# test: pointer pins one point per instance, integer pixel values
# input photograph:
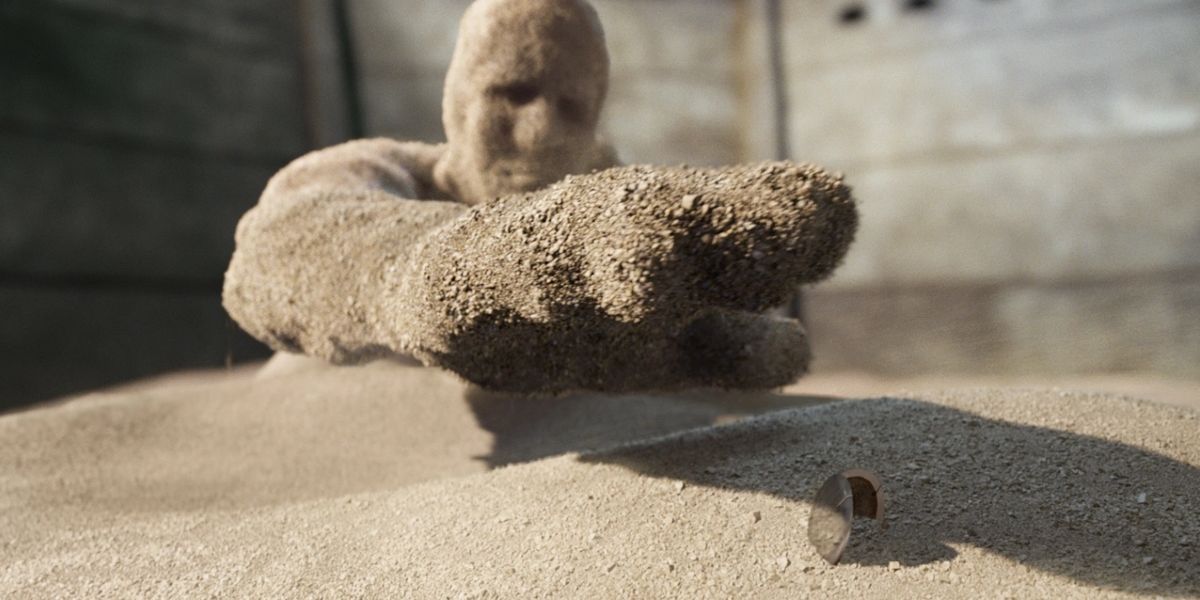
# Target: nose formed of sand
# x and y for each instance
(842, 497)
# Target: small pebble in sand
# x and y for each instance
(1141, 498)
(679, 485)
(894, 565)
(755, 516)
(688, 201)
(782, 562)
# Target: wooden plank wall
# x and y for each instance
(134, 133)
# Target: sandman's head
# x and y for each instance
(522, 96)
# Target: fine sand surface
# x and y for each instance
(306, 480)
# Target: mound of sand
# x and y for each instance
(374, 481)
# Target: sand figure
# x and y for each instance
(459, 254)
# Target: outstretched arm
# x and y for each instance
(625, 279)
(331, 233)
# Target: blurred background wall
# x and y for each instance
(133, 134)
(1028, 170)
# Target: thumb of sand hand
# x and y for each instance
(592, 282)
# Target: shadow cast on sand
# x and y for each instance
(1097, 511)
(527, 428)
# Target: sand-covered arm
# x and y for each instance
(332, 231)
(626, 279)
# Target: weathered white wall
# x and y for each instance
(1000, 140)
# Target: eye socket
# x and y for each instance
(571, 109)
(516, 93)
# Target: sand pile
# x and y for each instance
(371, 481)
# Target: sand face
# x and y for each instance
(522, 98)
(373, 481)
